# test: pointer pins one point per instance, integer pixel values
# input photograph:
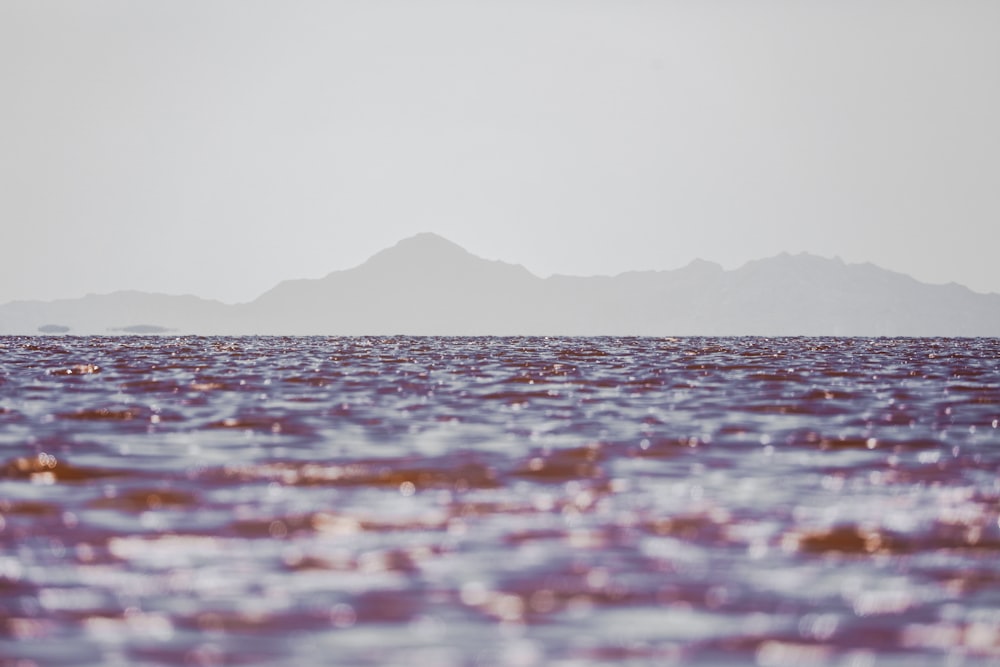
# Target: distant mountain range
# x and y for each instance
(428, 285)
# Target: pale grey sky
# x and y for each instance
(218, 147)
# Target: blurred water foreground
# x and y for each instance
(499, 501)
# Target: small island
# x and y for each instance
(53, 329)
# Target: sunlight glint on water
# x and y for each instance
(499, 501)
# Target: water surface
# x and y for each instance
(499, 501)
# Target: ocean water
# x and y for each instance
(499, 501)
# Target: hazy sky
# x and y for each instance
(218, 147)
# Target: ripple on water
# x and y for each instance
(509, 501)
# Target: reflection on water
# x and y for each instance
(499, 501)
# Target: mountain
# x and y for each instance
(118, 312)
(423, 285)
(427, 285)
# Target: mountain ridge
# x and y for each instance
(428, 285)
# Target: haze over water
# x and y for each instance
(499, 501)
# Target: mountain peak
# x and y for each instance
(428, 254)
(425, 246)
(428, 242)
